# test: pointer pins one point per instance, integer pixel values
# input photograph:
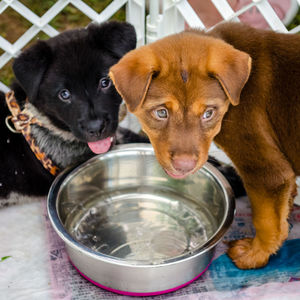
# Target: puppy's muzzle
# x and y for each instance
(93, 128)
(184, 163)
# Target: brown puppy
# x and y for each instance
(238, 86)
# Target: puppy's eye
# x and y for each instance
(105, 83)
(161, 113)
(64, 95)
(208, 114)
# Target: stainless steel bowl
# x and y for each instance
(131, 228)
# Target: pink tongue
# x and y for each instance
(101, 146)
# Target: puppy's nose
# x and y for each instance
(184, 163)
(94, 128)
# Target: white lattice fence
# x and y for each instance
(165, 17)
(174, 14)
(135, 14)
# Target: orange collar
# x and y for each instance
(22, 121)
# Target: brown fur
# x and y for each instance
(249, 79)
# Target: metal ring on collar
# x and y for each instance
(9, 126)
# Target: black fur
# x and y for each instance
(20, 170)
(230, 174)
(75, 60)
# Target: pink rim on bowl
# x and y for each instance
(141, 294)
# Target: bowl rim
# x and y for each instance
(71, 242)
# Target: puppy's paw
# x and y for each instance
(247, 254)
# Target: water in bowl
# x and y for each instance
(142, 224)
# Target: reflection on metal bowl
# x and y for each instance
(132, 229)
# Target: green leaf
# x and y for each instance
(4, 258)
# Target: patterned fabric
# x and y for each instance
(22, 121)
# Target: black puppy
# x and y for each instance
(64, 80)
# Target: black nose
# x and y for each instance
(93, 128)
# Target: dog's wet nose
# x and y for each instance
(94, 128)
(184, 163)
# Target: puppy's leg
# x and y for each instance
(270, 200)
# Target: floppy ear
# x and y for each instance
(231, 68)
(133, 74)
(115, 37)
(30, 66)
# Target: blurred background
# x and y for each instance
(13, 25)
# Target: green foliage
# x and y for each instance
(4, 258)
(295, 22)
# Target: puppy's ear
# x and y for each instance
(133, 74)
(231, 68)
(115, 37)
(30, 66)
